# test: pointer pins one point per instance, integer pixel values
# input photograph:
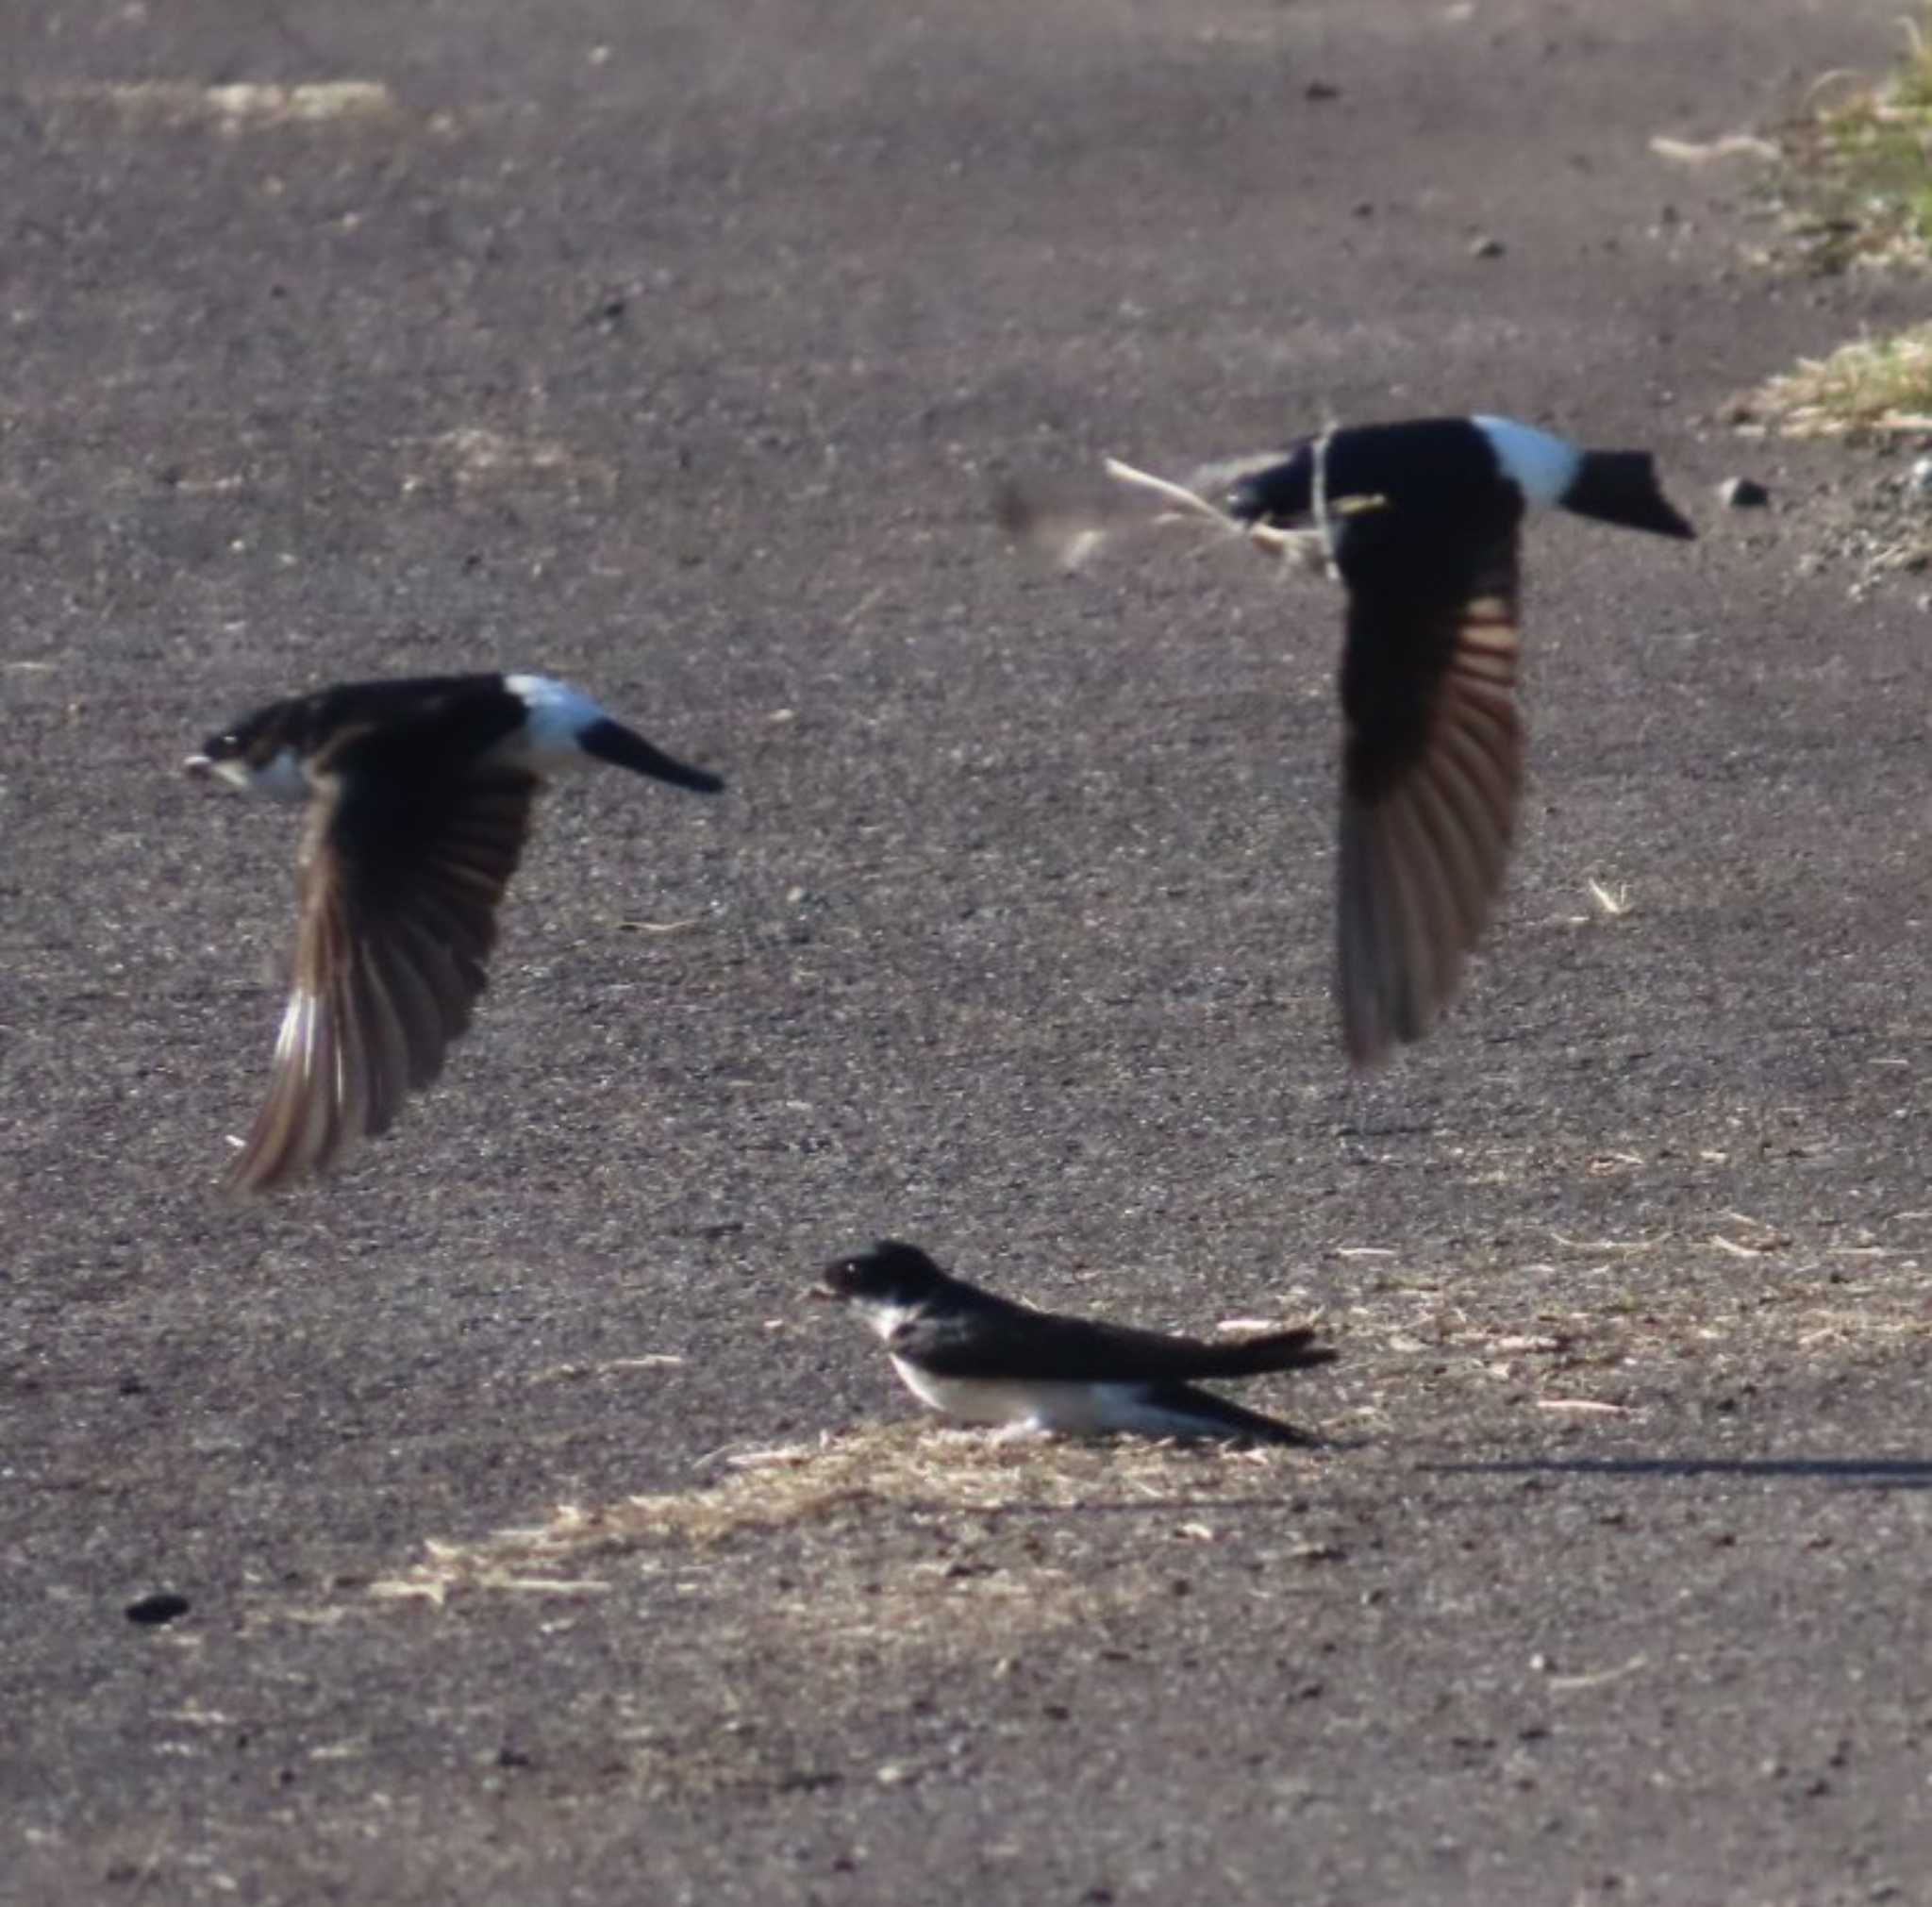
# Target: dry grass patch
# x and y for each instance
(1869, 387)
(475, 458)
(911, 1535)
(947, 1477)
(238, 107)
(1859, 191)
(818, 1563)
(1595, 1323)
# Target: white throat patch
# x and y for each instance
(280, 778)
(884, 1316)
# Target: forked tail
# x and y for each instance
(1620, 486)
(1219, 1418)
(1274, 1350)
(612, 742)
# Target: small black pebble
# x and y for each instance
(1320, 89)
(152, 1611)
(1744, 492)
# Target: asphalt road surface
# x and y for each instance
(675, 349)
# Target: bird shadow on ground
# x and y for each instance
(1870, 1473)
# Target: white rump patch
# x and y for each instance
(559, 715)
(1542, 466)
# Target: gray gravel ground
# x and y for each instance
(675, 348)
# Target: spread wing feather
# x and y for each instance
(404, 863)
(1432, 766)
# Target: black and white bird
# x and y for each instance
(419, 794)
(1421, 521)
(985, 1360)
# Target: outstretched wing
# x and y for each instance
(1432, 763)
(404, 861)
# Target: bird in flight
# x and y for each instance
(985, 1360)
(1421, 521)
(419, 794)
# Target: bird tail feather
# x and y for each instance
(1276, 1351)
(1210, 1417)
(1620, 486)
(612, 742)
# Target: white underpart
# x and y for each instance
(1076, 1409)
(559, 715)
(1542, 466)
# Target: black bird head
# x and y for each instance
(892, 1275)
(244, 754)
(1281, 491)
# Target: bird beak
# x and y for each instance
(821, 1294)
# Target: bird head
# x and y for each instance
(256, 754)
(1280, 493)
(891, 1278)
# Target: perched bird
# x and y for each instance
(1420, 520)
(418, 796)
(990, 1361)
